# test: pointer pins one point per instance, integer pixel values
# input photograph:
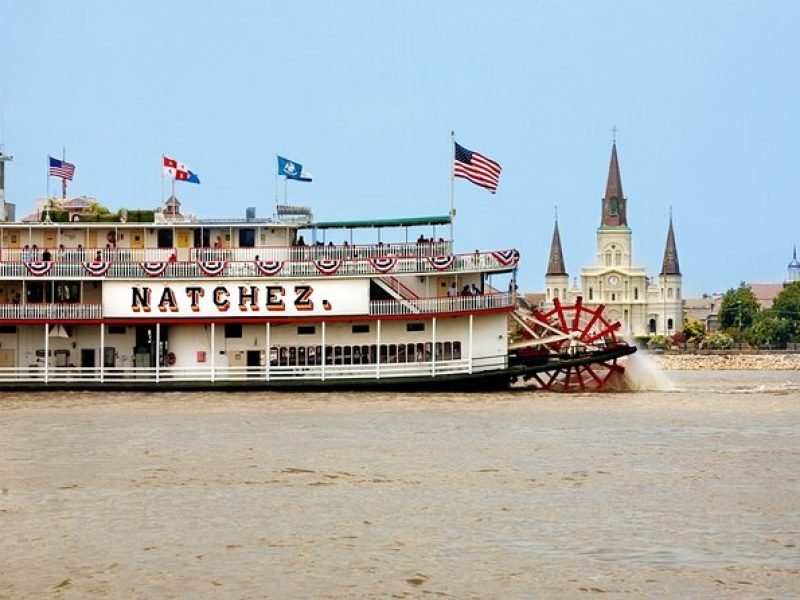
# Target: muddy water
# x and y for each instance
(693, 492)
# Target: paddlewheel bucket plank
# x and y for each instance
(570, 348)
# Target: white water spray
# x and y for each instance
(643, 373)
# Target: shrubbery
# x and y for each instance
(717, 340)
(659, 342)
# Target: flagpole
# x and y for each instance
(452, 183)
(63, 179)
(162, 179)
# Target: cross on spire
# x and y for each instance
(614, 134)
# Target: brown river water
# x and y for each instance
(692, 492)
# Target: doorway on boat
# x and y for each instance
(144, 352)
(254, 358)
(87, 358)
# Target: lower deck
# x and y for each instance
(253, 353)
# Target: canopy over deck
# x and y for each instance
(378, 223)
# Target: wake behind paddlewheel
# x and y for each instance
(581, 345)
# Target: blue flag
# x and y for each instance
(292, 170)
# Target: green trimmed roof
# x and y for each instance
(400, 222)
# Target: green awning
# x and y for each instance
(372, 223)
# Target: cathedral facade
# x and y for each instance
(644, 305)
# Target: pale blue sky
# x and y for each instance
(364, 94)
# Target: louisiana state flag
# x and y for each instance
(292, 170)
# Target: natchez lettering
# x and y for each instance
(250, 298)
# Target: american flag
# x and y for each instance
(61, 168)
(477, 168)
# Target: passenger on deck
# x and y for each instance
(301, 241)
(465, 291)
(46, 256)
(452, 292)
(475, 291)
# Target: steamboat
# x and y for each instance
(166, 300)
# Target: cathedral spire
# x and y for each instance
(555, 266)
(614, 213)
(670, 266)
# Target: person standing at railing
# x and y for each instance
(46, 256)
(475, 291)
(452, 291)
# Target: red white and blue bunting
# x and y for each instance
(39, 267)
(328, 266)
(269, 267)
(383, 264)
(211, 267)
(506, 257)
(441, 263)
(96, 268)
(154, 269)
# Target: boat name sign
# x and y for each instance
(231, 299)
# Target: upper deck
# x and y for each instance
(180, 248)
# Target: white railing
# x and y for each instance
(361, 267)
(312, 373)
(285, 253)
(78, 255)
(318, 252)
(441, 305)
(51, 311)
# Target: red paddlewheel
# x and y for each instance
(585, 330)
(587, 325)
(579, 378)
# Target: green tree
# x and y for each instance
(738, 308)
(769, 328)
(787, 306)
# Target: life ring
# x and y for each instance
(169, 359)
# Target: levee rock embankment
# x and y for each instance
(728, 361)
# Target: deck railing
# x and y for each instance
(54, 312)
(305, 269)
(38, 373)
(440, 305)
(284, 253)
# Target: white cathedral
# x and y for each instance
(643, 306)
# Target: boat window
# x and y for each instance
(415, 326)
(233, 330)
(360, 328)
(165, 238)
(456, 350)
(114, 329)
(247, 238)
(307, 330)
